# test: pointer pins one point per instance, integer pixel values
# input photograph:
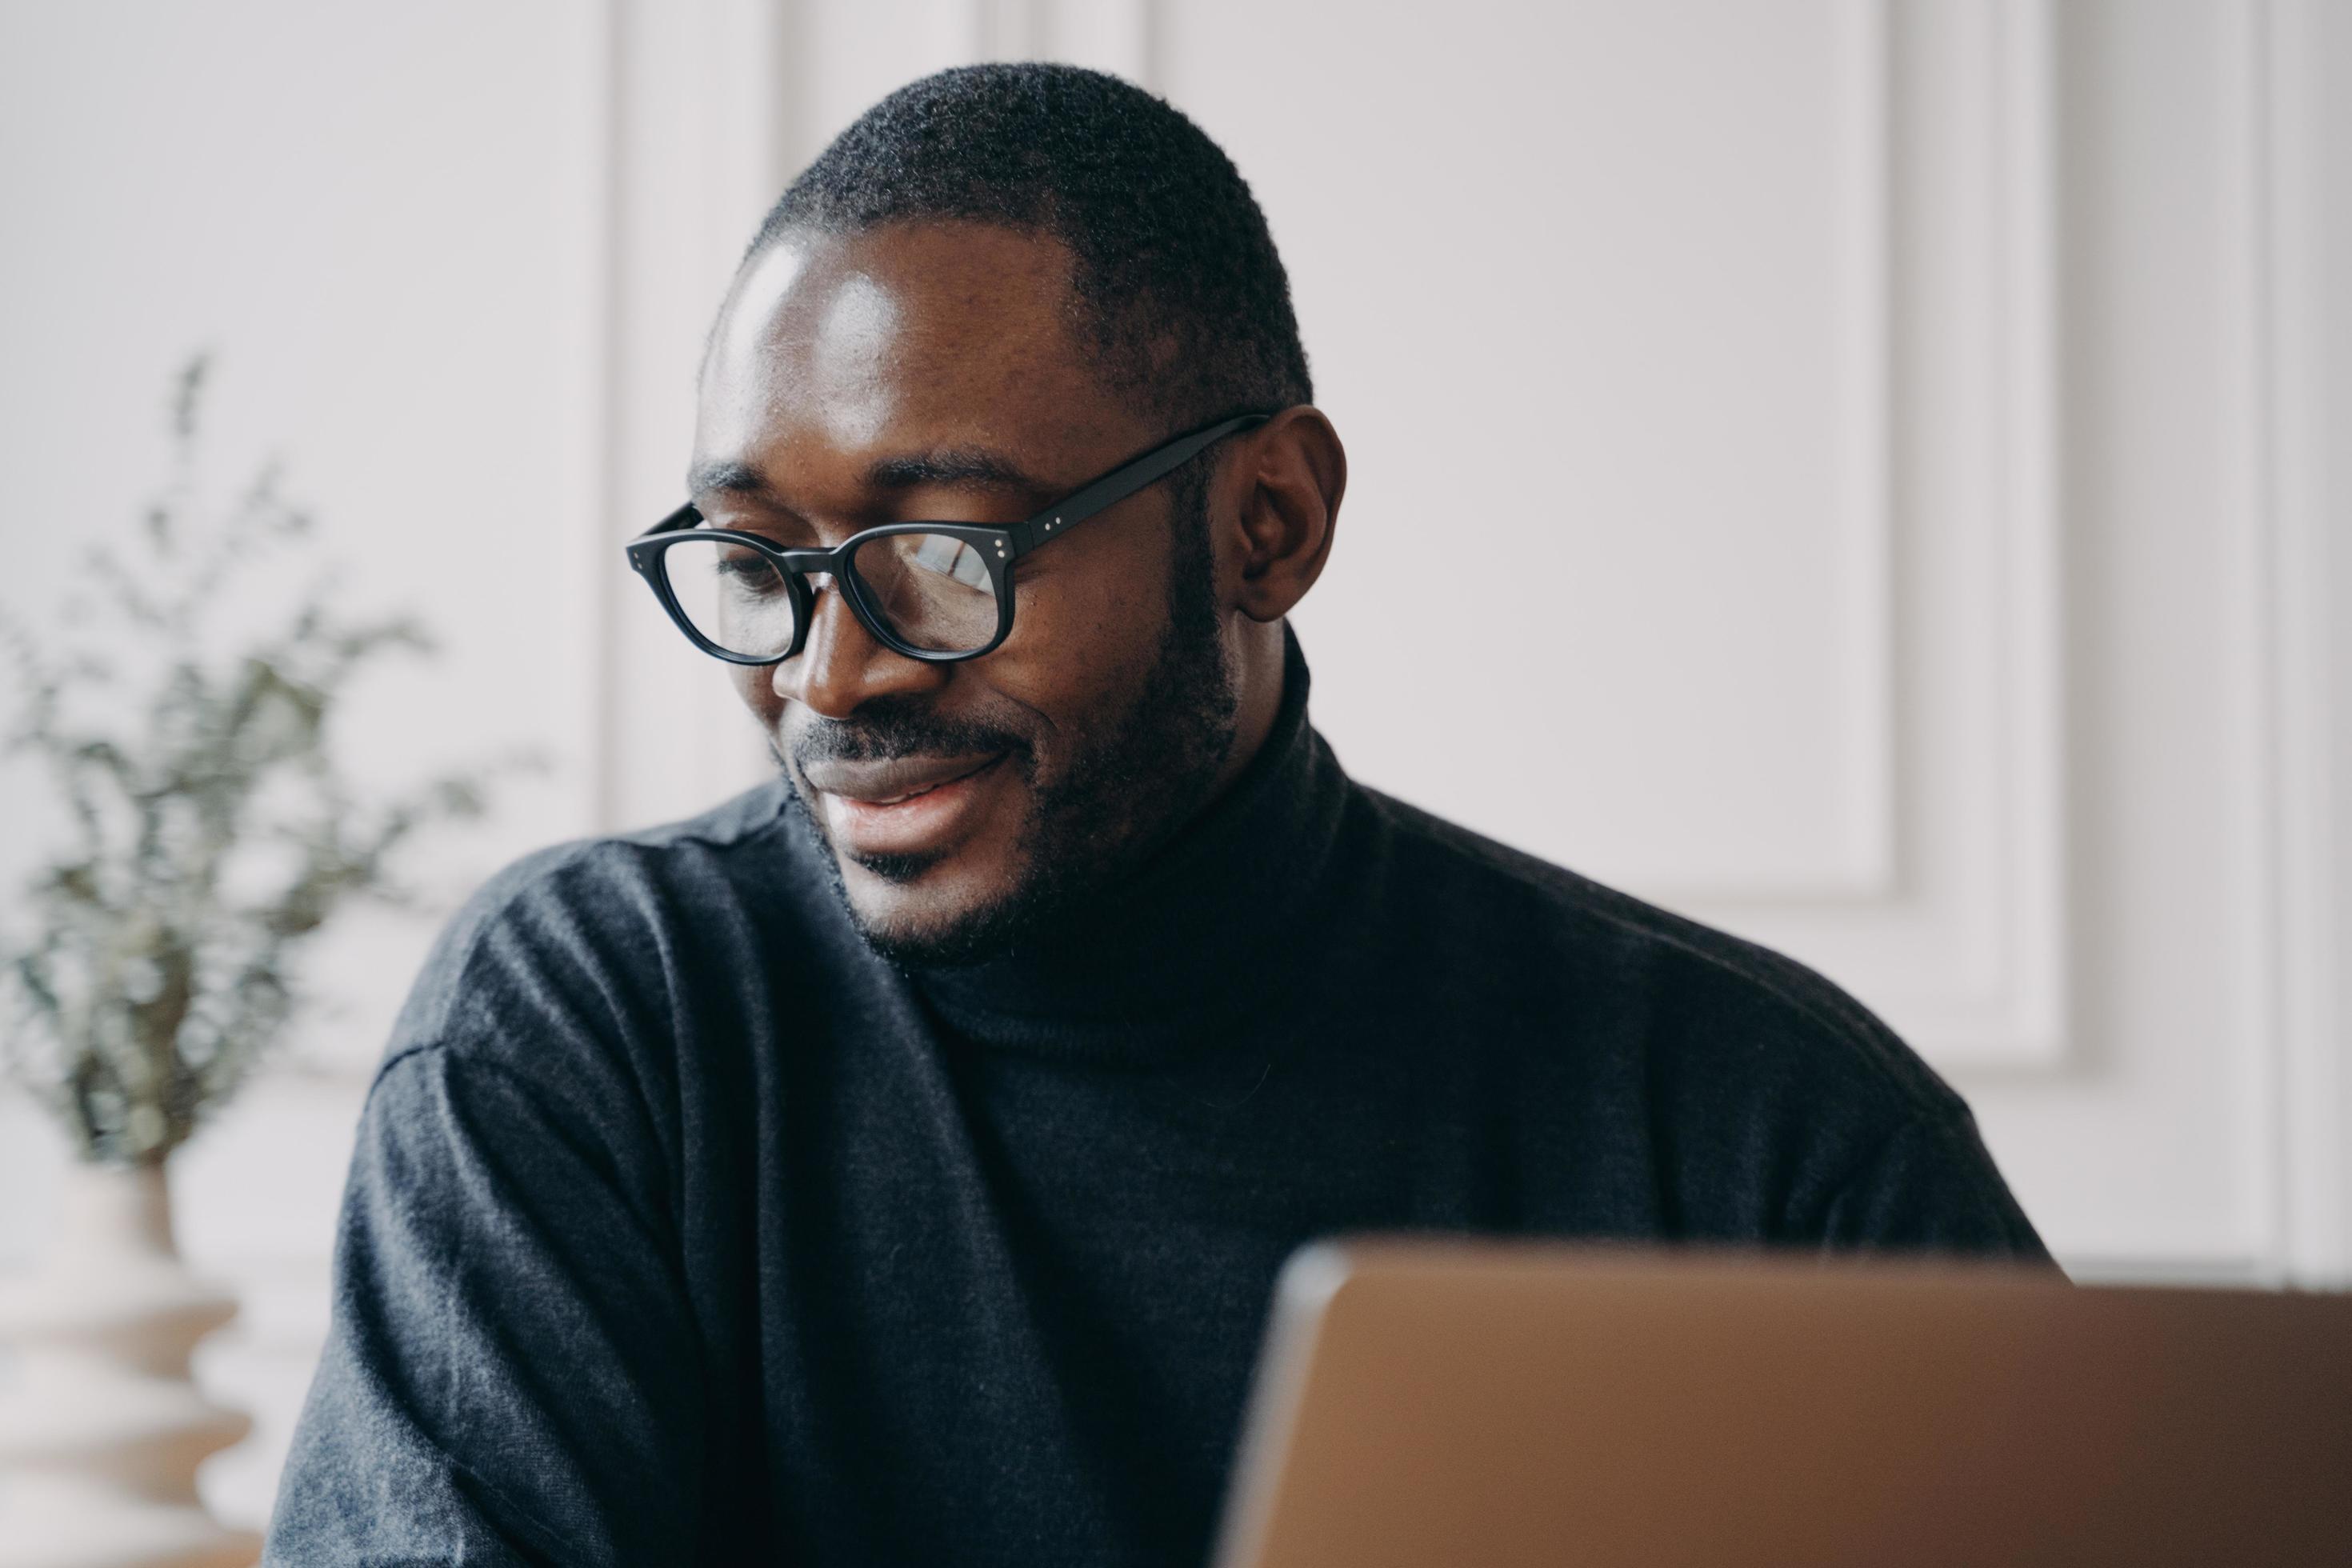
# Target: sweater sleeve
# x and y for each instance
(1930, 1185)
(509, 1376)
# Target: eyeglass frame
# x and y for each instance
(999, 546)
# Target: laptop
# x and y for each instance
(1509, 1404)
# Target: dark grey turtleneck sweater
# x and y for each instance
(682, 1229)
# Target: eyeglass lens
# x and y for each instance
(932, 590)
(734, 595)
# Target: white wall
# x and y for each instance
(1928, 419)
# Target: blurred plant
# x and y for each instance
(211, 834)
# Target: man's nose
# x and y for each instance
(842, 664)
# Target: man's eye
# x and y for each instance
(749, 571)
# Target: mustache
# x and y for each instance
(889, 730)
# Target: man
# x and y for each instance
(892, 1166)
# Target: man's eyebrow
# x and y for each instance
(953, 467)
(720, 476)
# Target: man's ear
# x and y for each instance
(1286, 479)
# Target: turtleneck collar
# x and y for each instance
(1161, 960)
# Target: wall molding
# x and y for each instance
(2033, 1021)
(2315, 1079)
(1963, 941)
(1873, 767)
(701, 129)
(2295, 1119)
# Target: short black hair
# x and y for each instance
(1178, 285)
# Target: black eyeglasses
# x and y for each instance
(935, 591)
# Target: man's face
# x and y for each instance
(933, 371)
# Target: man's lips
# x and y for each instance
(908, 806)
(891, 780)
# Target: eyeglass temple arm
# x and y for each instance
(1122, 482)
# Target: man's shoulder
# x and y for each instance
(606, 920)
(606, 875)
(1778, 1106)
(1703, 990)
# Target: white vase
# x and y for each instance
(101, 1428)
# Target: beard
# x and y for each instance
(1144, 774)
